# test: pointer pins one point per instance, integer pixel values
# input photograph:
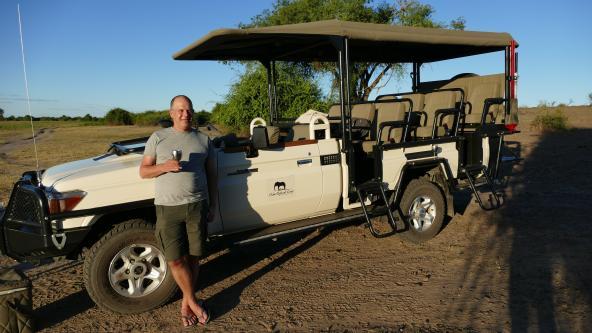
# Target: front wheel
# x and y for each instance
(126, 272)
(423, 208)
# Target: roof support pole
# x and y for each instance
(507, 83)
(344, 93)
(341, 44)
(416, 76)
(275, 99)
(350, 156)
(270, 67)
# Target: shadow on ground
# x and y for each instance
(542, 238)
(231, 262)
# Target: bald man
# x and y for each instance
(185, 200)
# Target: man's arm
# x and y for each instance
(149, 168)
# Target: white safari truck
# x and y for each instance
(393, 162)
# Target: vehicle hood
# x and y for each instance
(77, 170)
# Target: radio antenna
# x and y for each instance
(18, 8)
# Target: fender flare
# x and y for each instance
(429, 164)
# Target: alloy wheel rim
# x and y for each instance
(422, 213)
(137, 270)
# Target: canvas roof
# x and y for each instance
(367, 41)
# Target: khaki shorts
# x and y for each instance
(180, 230)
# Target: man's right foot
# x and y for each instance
(188, 317)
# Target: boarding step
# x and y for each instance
(376, 188)
(298, 226)
(478, 176)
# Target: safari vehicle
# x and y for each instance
(393, 162)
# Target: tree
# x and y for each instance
(119, 116)
(248, 97)
(202, 117)
(365, 76)
(590, 98)
(1, 114)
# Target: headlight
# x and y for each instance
(63, 202)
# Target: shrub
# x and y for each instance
(202, 117)
(150, 118)
(119, 116)
(554, 120)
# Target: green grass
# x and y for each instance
(554, 120)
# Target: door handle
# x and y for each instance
(306, 161)
(242, 171)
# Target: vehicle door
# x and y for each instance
(281, 183)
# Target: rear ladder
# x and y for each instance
(376, 187)
(474, 171)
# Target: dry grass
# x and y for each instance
(65, 143)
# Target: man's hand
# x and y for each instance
(170, 166)
(149, 168)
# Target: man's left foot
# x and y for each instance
(205, 315)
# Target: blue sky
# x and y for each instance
(90, 56)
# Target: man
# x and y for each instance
(181, 200)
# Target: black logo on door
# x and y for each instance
(279, 186)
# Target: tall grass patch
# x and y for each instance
(551, 120)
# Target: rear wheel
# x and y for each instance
(423, 209)
(126, 272)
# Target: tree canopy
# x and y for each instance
(365, 77)
(248, 97)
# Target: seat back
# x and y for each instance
(334, 112)
(299, 132)
(260, 137)
(273, 134)
(477, 89)
(364, 119)
(434, 101)
(390, 111)
(416, 98)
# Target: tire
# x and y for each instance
(428, 220)
(145, 274)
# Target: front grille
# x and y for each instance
(25, 206)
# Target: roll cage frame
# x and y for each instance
(341, 45)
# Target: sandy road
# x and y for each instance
(11, 145)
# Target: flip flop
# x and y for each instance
(207, 312)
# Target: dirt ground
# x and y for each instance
(526, 267)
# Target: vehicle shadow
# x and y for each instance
(242, 258)
(232, 262)
(54, 313)
(540, 243)
(69, 306)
